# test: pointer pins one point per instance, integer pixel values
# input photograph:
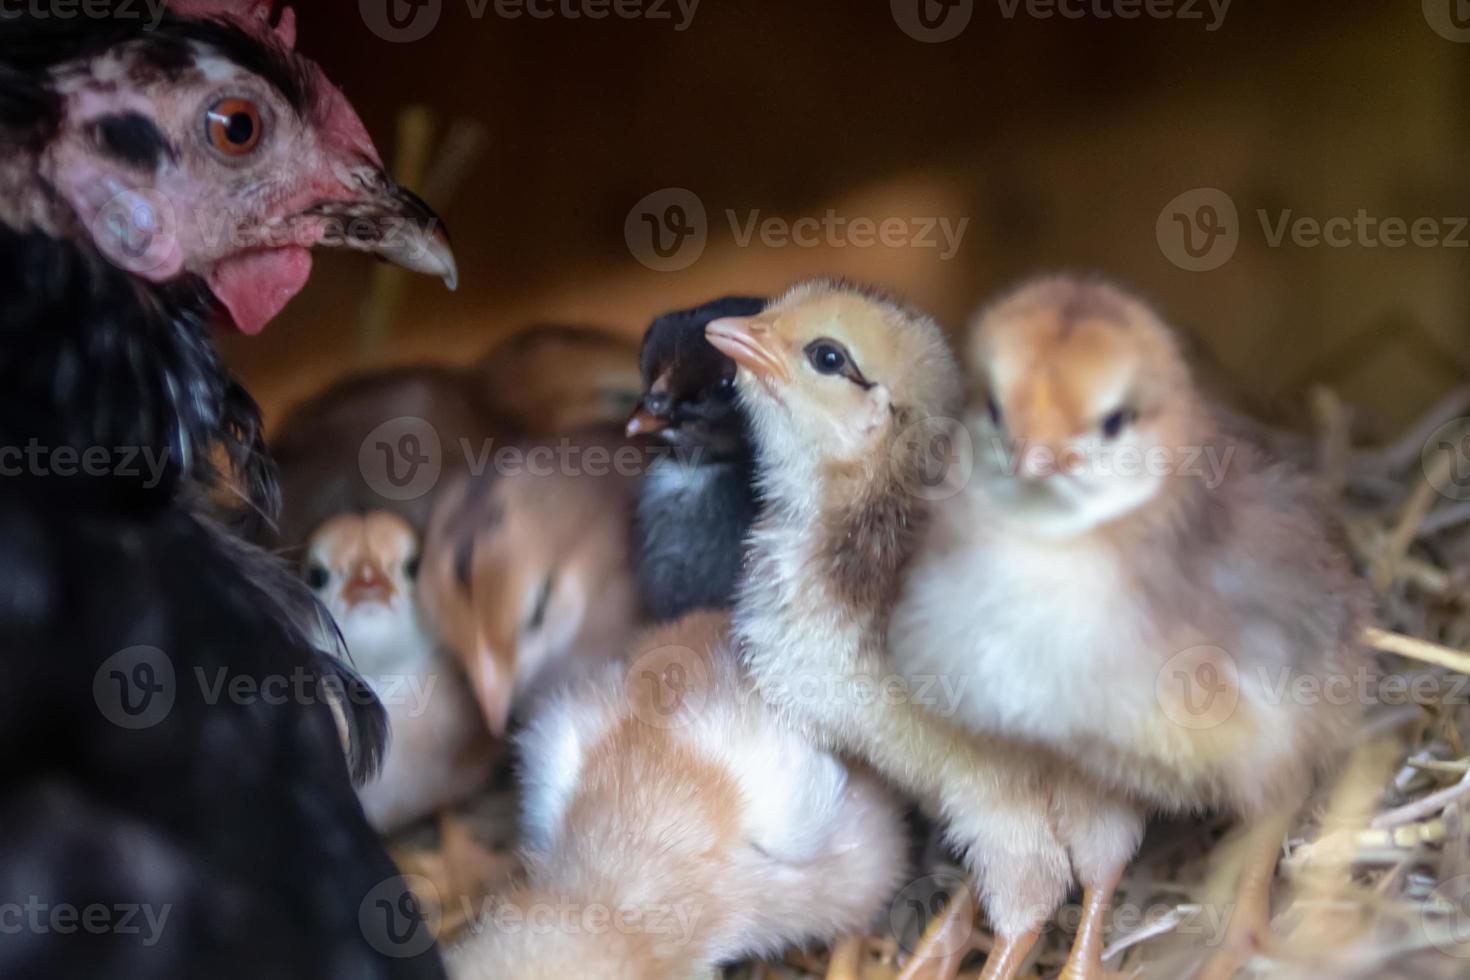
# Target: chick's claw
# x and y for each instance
(946, 941)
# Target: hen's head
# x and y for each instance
(207, 146)
(833, 373)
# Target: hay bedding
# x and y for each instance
(1375, 877)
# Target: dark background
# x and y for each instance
(1061, 141)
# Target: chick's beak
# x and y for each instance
(652, 414)
(394, 224)
(367, 582)
(749, 343)
(645, 423)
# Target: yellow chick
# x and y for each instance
(527, 574)
(846, 391)
(364, 569)
(1129, 583)
(673, 824)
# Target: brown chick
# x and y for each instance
(552, 379)
(364, 568)
(352, 446)
(844, 390)
(672, 824)
(526, 574)
(1133, 585)
(329, 464)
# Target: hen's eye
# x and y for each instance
(1116, 421)
(993, 407)
(234, 126)
(826, 357)
(317, 576)
(411, 568)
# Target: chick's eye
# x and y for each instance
(234, 126)
(317, 576)
(1118, 420)
(826, 357)
(411, 568)
(993, 407)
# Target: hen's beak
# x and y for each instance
(749, 343)
(394, 224)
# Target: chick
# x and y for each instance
(697, 502)
(363, 567)
(844, 391)
(527, 576)
(354, 445)
(322, 444)
(551, 379)
(1131, 583)
(672, 824)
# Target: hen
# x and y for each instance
(172, 740)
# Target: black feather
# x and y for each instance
(133, 139)
(697, 503)
(32, 46)
(170, 728)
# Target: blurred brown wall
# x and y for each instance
(1060, 142)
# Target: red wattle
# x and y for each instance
(255, 286)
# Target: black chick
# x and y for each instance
(697, 502)
(175, 798)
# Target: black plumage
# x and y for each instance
(172, 745)
(698, 502)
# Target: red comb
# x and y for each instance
(253, 14)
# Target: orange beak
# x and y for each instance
(747, 340)
(645, 423)
(491, 687)
(367, 582)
